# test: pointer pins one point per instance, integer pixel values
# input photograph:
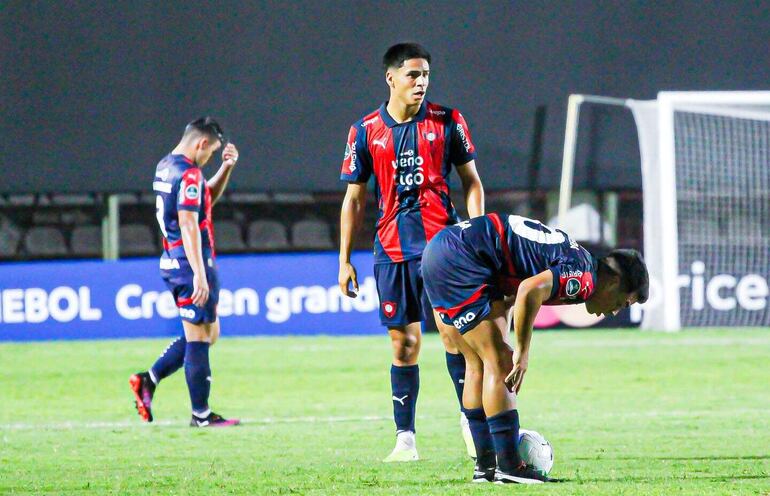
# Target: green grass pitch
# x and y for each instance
(627, 413)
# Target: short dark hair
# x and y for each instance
(398, 53)
(208, 127)
(632, 271)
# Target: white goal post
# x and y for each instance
(706, 188)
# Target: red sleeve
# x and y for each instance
(191, 189)
(571, 285)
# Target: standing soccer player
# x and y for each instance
(473, 271)
(409, 145)
(188, 265)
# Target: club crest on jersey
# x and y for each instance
(389, 309)
(573, 287)
(429, 136)
(191, 192)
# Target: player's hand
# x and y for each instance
(516, 377)
(200, 290)
(229, 155)
(346, 276)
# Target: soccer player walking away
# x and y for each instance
(188, 265)
(474, 272)
(409, 145)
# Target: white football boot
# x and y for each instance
(405, 449)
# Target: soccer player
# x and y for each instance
(188, 265)
(409, 145)
(473, 271)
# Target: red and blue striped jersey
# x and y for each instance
(410, 163)
(180, 185)
(518, 248)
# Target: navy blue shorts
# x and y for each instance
(402, 294)
(178, 276)
(461, 286)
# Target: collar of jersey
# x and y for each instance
(183, 157)
(390, 122)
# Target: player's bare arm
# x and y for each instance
(474, 190)
(218, 183)
(351, 217)
(530, 296)
(191, 239)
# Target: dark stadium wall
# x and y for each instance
(94, 94)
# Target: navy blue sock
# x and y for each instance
(482, 439)
(455, 364)
(198, 375)
(405, 385)
(504, 428)
(169, 361)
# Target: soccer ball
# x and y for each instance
(536, 451)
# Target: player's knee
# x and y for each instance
(500, 363)
(448, 343)
(406, 348)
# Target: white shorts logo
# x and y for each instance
(464, 320)
(187, 313)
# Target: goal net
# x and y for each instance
(706, 184)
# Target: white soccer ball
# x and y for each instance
(536, 451)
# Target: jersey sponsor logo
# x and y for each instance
(169, 263)
(463, 137)
(370, 121)
(409, 170)
(429, 136)
(389, 309)
(436, 112)
(350, 154)
(187, 313)
(464, 224)
(381, 142)
(464, 320)
(191, 192)
(572, 288)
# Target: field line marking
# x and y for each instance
(180, 422)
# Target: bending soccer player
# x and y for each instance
(188, 265)
(471, 269)
(409, 146)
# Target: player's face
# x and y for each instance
(205, 148)
(409, 83)
(609, 300)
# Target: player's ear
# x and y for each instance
(389, 78)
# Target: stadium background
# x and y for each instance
(91, 91)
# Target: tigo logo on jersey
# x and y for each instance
(573, 287)
(191, 192)
(389, 309)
